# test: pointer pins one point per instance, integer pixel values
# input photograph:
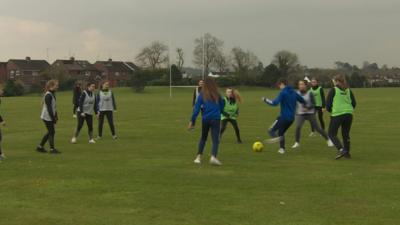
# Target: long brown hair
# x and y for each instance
(210, 90)
(341, 81)
(50, 84)
(236, 94)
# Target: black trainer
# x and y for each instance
(41, 149)
(342, 154)
(54, 151)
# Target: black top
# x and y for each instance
(77, 94)
(331, 95)
(48, 101)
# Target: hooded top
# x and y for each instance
(288, 99)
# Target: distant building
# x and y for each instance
(77, 69)
(3, 72)
(26, 70)
(118, 73)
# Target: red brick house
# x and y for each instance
(26, 70)
(3, 72)
(78, 69)
(118, 73)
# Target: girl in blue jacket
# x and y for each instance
(287, 99)
(212, 105)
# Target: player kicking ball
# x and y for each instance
(287, 99)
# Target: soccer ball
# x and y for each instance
(258, 146)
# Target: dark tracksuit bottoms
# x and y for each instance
(49, 136)
(300, 119)
(89, 121)
(214, 126)
(279, 128)
(110, 119)
(342, 121)
(235, 126)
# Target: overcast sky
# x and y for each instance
(319, 31)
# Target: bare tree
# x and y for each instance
(180, 58)
(286, 62)
(221, 62)
(153, 56)
(243, 61)
(207, 48)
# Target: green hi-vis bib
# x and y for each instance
(317, 96)
(342, 102)
(230, 109)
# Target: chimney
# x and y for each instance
(28, 58)
(72, 59)
(110, 59)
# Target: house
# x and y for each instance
(77, 69)
(3, 72)
(118, 73)
(26, 70)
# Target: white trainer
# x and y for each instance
(74, 116)
(312, 134)
(198, 160)
(215, 162)
(115, 137)
(273, 140)
(73, 140)
(330, 143)
(92, 141)
(296, 145)
(281, 151)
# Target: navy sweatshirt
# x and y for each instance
(211, 110)
(288, 99)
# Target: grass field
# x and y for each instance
(148, 177)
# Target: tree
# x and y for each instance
(176, 74)
(13, 88)
(286, 62)
(270, 76)
(139, 80)
(153, 56)
(344, 66)
(207, 49)
(356, 80)
(243, 62)
(180, 58)
(221, 62)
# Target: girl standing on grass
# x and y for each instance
(49, 116)
(85, 112)
(231, 112)
(341, 104)
(2, 124)
(105, 106)
(307, 112)
(319, 98)
(213, 105)
(77, 92)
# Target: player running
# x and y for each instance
(213, 105)
(307, 113)
(231, 112)
(287, 99)
(341, 104)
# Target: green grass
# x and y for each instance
(147, 176)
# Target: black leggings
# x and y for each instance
(320, 113)
(235, 127)
(49, 136)
(344, 121)
(89, 122)
(110, 119)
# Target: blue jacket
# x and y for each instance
(211, 110)
(288, 99)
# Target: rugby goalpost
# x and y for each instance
(171, 86)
